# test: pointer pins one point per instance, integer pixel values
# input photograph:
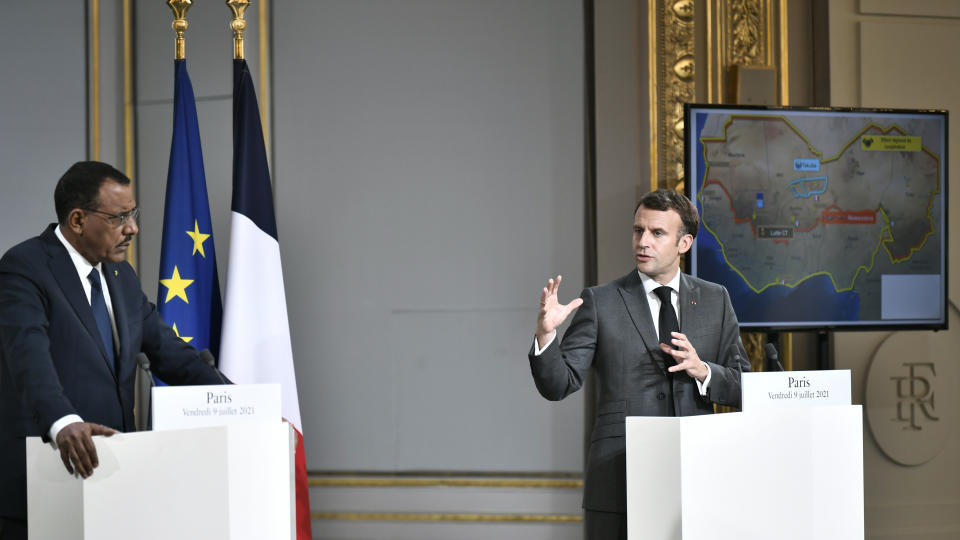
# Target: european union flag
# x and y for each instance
(189, 298)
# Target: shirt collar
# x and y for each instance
(649, 284)
(82, 265)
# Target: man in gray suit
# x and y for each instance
(638, 373)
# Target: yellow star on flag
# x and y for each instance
(176, 286)
(198, 239)
(184, 338)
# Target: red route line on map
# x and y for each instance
(819, 220)
(837, 211)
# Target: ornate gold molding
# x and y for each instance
(439, 517)
(745, 37)
(444, 482)
(447, 479)
(784, 70)
(753, 342)
(128, 163)
(745, 33)
(95, 80)
(738, 32)
(672, 84)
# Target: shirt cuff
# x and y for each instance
(536, 346)
(60, 424)
(702, 386)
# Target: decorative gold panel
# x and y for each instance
(746, 45)
(671, 24)
(744, 33)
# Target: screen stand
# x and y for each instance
(824, 358)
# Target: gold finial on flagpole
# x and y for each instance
(238, 25)
(180, 8)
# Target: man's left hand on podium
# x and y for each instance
(77, 450)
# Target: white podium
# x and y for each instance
(790, 473)
(225, 482)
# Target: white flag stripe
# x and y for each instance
(255, 345)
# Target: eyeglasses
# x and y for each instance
(118, 220)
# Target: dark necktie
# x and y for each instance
(668, 317)
(668, 323)
(101, 315)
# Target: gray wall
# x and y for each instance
(428, 165)
(43, 105)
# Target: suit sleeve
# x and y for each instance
(25, 340)
(730, 362)
(562, 367)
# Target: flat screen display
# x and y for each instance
(821, 219)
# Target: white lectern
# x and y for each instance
(791, 473)
(225, 482)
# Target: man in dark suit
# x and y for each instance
(628, 331)
(72, 319)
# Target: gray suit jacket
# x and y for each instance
(613, 332)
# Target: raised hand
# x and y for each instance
(552, 312)
(77, 450)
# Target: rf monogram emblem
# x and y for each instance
(915, 395)
(910, 413)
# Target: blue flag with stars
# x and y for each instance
(188, 298)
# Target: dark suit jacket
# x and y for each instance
(53, 363)
(614, 333)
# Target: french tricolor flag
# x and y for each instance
(255, 342)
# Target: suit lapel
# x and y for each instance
(69, 281)
(635, 299)
(689, 303)
(119, 316)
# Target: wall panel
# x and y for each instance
(429, 179)
(897, 60)
(43, 103)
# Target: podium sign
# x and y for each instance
(779, 389)
(798, 469)
(215, 483)
(179, 407)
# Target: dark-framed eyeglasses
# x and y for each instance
(118, 220)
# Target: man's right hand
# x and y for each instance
(552, 312)
(77, 450)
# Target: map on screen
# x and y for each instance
(821, 218)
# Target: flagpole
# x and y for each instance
(238, 25)
(256, 330)
(180, 8)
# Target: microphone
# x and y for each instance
(734, 350)
(207, 357)
(141, 394)
(143, 362)
(773, 359)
